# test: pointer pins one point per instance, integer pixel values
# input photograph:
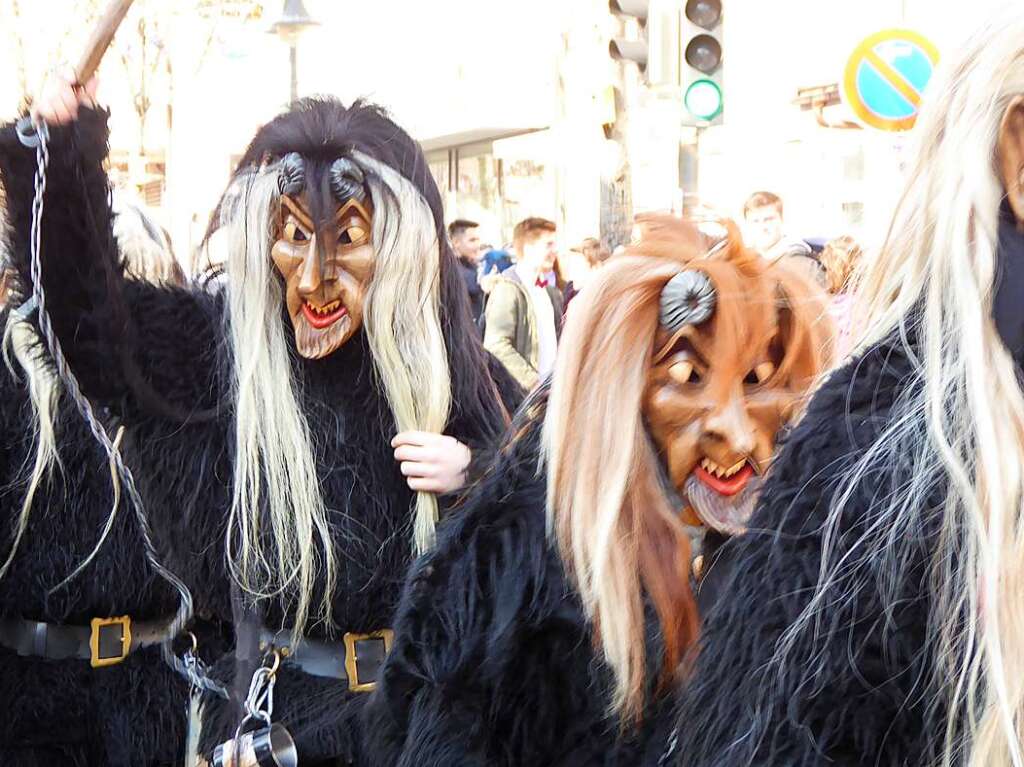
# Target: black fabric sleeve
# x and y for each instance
(131, 345)
(848, 689)
(492, 662)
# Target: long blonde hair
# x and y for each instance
(959, 424)
(607, 509)
(275, 476)
(145, 258)
(403, 318)
(21, 345)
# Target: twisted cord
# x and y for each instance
(193, 672)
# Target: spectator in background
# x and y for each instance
(465, 237)
(523, 311)
(839, 259)
(764, 232)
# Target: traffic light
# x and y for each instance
(656, 51)
(701, 65)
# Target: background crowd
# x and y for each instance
(521, 292)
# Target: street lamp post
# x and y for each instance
(293, 22)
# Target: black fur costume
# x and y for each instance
(867, 703)
(158, 359)
(494, 661)
(62, 712)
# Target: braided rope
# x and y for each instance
(192, 671)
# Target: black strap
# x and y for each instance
(330, 659)
(247, 651)
(56, 641)
(313, 656)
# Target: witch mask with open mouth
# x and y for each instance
(323, 250)
(739, 342)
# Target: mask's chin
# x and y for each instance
(316, 343)
(728, 514)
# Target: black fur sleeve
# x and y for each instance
(114, 332)
(492, 663)
(854, 697)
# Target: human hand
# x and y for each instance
(432, 463)
(61, 99)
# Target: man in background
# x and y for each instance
(523, 312)
(764, 232)
(465, 238)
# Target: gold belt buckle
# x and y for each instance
(97, 625)
(352, 669)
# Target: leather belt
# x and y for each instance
(356, 660)
(104, 642)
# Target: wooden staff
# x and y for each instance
(101, 38)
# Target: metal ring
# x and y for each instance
(29, 131)
(277, 664)
(195, 642)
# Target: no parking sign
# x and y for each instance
(885, 77)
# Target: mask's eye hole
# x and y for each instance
(760, 374)
(293, 232)
(353, 235)
(683, 372)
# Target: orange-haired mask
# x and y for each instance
(323, 252)
(735, 352)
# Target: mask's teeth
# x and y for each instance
(325, 309)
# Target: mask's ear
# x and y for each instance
(1011, 155)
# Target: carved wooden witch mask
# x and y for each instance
(323, 251)
(738, 346)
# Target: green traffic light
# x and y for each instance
(703, 99)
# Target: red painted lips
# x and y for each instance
(725, 485)
(320, 319)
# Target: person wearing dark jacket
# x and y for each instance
(259, 416)
(872, 613)
(555, 614)
(465, 238)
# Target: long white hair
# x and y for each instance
(274, 469)
(959, 425)
(147, 255)
(275, 473)
(402, 318)
(20, 348)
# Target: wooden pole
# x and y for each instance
(101, 38)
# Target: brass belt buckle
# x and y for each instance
(98, 625)
(352, 669)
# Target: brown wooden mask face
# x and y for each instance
(719, 392)
(325, 296)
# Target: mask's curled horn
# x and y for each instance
(291, 177)
(347, 180)
(687, 299)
